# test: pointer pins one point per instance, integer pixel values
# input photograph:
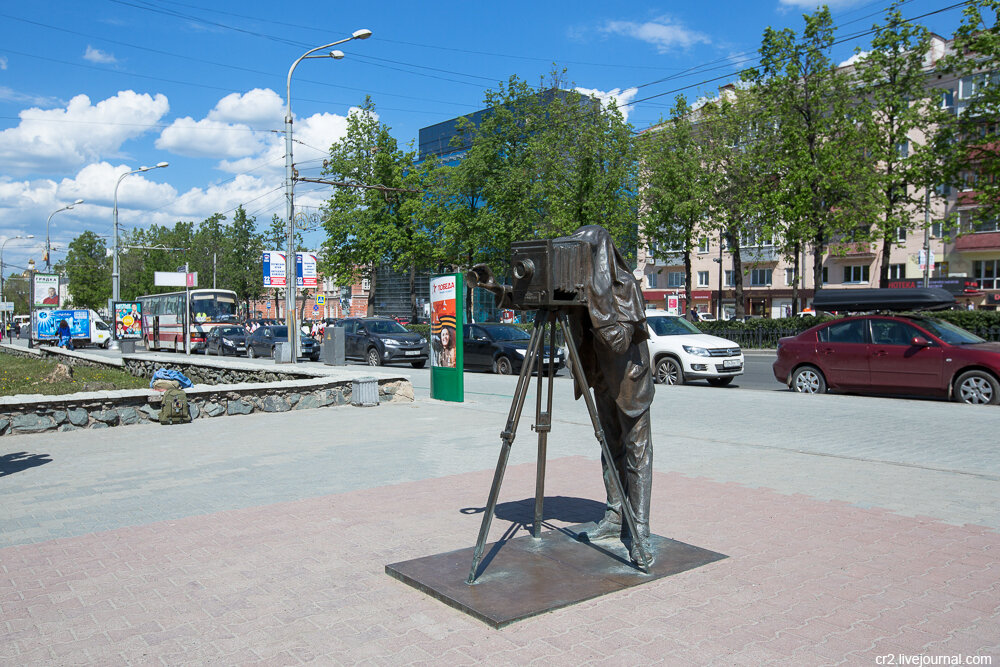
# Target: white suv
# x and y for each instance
(680, 352)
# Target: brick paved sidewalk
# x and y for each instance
(806, 582)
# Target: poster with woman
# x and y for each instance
(443, 318)
(128, 320)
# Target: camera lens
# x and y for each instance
(523, 268)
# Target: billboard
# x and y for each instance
(274, 268)
(47, 323)
(128, 320)
(46, 290)
(305, 269)
(444, 341)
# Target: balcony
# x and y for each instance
(666, 259)
(978, 242)
(852, 250)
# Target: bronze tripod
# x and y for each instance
(543, 424)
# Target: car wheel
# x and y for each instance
(808, 380)
(107, 344)
(669, 371)
(418, 364)
(373, 357)
(274, 351)
(977, 388)
(250, 353)
(502, 366)
(719, 382)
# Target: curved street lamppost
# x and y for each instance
(114, 256)
(48, 246)
(290, 272)
(2, 246)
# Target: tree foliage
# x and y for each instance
(88, 269)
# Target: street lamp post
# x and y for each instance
(3, 319)
(48, 246)
(290, 273)
(114, 260)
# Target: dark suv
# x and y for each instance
(380, 340)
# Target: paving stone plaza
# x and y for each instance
(854, 529)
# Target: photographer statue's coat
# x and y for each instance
(611, 335)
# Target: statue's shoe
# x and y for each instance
(605, 530)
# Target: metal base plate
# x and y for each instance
(524, 577)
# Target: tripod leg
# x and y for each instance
(578, 376)
(543, 425)
(513, 417)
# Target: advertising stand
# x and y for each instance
(447, 318)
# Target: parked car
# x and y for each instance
(705, 317)
(501, 348)
(380, 340)
(262, 342)
(891, 354)
(225, 340)
(680, 352)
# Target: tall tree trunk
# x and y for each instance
(818, 248)
(734, 242)
(687, 283)
(796, 272)
(370, 312)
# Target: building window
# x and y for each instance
(948, 99)
(987, 273)
(903, 149)
(760, 277)
(790, 277)
(703, 245)
(729, 279)
(897, 271)
(901, 234)
(826, 276)
(856, 274)
(652, 280)
(675, 279)
(703, 279)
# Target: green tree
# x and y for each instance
(970, 140)
(88, 268)
(820, 179)
(371, 221)
(676, 186)
(899, 106)
(242, 249)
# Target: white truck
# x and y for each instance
(86, 327)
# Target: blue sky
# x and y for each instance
(90, 90)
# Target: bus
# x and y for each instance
(163, 317)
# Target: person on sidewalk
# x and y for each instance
(64, 335)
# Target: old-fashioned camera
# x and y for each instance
(546, 273)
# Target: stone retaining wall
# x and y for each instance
(220, 391)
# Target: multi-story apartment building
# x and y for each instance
(967, 264)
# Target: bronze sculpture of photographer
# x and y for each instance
(585, 277)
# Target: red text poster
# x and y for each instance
(443, 318)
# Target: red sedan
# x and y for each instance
(891, 354)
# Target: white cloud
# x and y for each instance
(3, 62)
(62, 139)
(209, 138)
(619, 96)
(260, 107)
(663, 33)
(11, 95)
(857, 57)
(98, 56)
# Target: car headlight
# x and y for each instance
(391, 342)
(227, 342)
(696, 351)
(521, 353)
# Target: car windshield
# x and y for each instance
(231, 331)
(949, 333)
(666, 325)
(280, 332)
(385, 327)
(507, 333)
